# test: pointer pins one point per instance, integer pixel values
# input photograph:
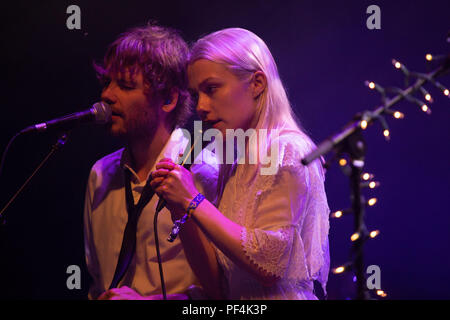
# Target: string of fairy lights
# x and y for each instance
(367, 180)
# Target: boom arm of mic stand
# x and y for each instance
(328, 144)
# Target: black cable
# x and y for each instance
(158, 254)
(161, 204)
(61, 141)
(2, 163)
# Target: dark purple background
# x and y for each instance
(324, 53)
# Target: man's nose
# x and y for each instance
(108, 94)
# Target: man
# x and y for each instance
(145, 83)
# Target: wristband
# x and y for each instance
(190, 210)
(194, 204)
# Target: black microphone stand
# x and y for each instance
(355, 147)
(350, 141)
(59, 143)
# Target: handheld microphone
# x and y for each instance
(186, 155)
(99, 113)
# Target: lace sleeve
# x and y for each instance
(289, 236)
(269, 250)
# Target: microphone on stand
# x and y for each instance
(99, 113)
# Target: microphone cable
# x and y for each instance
(158, 254)
(2, 162)
(161, 204)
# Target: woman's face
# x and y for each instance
(223, 100)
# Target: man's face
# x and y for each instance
(134, 111)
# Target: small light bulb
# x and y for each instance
(372, 201)
(337, 214)
(398, 65)
(342, 162)
(371, 85)
(366, 176)
(426, 109)
(386, 133)
(446, 92)
(398, 115)
(363, 124)
(381, 293)
(355, 236)
(429, 57)
(374, 233)
(373, 184)
(339, 270)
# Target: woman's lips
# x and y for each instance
(212, 123)
(215, 124)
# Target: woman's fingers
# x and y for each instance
(160, 173)
(156, 182)
(174, 183)
(165, 163)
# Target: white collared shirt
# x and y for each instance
(105, 218)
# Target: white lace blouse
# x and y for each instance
(286, 221)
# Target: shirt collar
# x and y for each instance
(174, 146)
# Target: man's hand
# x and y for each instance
(122, 293)
(126, 293)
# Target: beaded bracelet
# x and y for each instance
(190, 210)
(194, 204)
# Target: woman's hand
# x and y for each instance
(175, 184)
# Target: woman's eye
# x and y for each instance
(210, 89)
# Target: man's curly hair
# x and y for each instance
(161, 55)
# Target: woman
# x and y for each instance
(268, 236)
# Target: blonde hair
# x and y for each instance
(244, 53)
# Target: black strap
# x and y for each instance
(129, 236)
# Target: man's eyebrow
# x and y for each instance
(126, 81)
